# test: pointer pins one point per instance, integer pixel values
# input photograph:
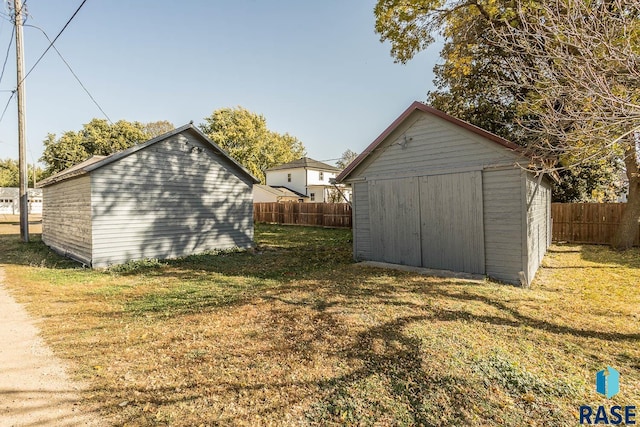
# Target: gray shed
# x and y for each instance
(437, 192)
(174, 195)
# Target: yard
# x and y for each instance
(295, 333)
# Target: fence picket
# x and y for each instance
(591, 223)
(314, 214)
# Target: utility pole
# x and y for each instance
(22, 132)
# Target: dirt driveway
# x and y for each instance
(34, 387)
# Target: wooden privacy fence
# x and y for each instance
(316, 214)
(587, 222)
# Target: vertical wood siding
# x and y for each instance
(451, 222)
(171, 199)
(503, 224)
(538, 218)
(66, 218)
(361, 225)
(394, 207)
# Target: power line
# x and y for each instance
(7, 106)
(6, 57)
(51, 44)
(72, 72)
(42, 55)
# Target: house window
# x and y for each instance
(288, 177)
(321, 176)
(312, 196)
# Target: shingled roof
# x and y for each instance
(96, 162)
(306, 163)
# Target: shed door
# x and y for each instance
(451, 225)
(394, 208)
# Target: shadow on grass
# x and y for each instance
(33, 253)
(605, 255)
(304, 280)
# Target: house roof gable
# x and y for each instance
(97, 162)
(419, 106)
(306, 163)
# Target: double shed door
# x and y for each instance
(431, 221)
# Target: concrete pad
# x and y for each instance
(447, 274)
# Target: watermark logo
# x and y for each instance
(608, 385)
(608, 382)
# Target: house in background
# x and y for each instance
(267, 193)
(308, 177)
(172, 196)
(437, 192)
(10, 200)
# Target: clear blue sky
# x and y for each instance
(314, 69)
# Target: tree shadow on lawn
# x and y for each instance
(33, 253)
(629, 258)
(387, 377)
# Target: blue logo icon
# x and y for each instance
(608, 382)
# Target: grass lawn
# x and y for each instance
(295, 333)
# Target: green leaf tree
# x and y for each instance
(470, 80)
(9, 173)
(98, 137)
(560, 77)
(153, 129)
(245, 136)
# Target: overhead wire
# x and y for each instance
(51, 44)
(73, 72)
(6, 56)
(7, 106)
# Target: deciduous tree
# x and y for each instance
(347, 157)
(9, 173)
(98, 137)
(469, 81)
(582, 62)
(559, 76)
(245, 136)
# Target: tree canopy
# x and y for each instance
(245, 136)
(347, 157)
(470, 83)
(560, 76)
(98, 137)
(9, 173)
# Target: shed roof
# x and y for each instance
(280, 191)
(307, 163)
(419, 106)
(97, 162)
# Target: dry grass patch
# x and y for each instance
(296, 334)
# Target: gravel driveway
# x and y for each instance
(34, 387)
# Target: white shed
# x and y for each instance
(174, 195)
(437, 192)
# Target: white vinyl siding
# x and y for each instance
(169, 200)
(293, 179)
